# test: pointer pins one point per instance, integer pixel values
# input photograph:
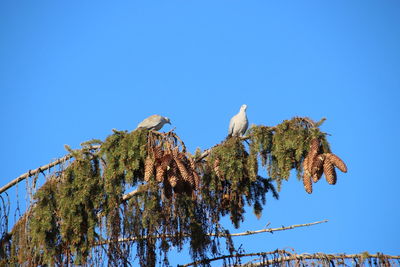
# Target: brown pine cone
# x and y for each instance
(186, 175)
(148, 168)
(160, 172)
(317, 167)
(157, 152)
(307, 182)
(312, 153)
(338, 162)
(329, 171)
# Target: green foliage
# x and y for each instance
(231, 179)
(284, 147)
(65, 222)
(44, 226)
(80, 199)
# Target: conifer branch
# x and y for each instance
(295, 257)
(34, 172)
(39, 170)
(68, 156)
(268, 230)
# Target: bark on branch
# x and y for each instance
(323, 256)
(294, 257)
(38, 170)
(267, 230)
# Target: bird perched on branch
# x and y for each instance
(238, 124)
(154, 122)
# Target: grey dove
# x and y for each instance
(154, 122)
(239, 123)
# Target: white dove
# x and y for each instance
(238, 124)
(154, 122)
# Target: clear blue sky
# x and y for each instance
(71, 71)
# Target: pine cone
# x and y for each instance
(306, 164)
(166, 161)
(317, 168)
(158, 152)
(196, 176)
(148, 168)
(337, 162)
(186, 176)
(160, 172)
(329, 171)
(307, 182)
(317, 175)
(314, 145)
(312, 153)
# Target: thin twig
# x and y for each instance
(268, 230)
(231, 256)
(35, 171)
(320, 256)
(304, 256)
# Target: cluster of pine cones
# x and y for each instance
(173, 168)
(316, 164)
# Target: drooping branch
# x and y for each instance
(280, 258)
(35, 171)
(158, 168)
(38, 170)
(63, 159)
(267, 230)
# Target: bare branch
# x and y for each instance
(231, 256)
(39, 170)
(293, 257)
(267, 230)
(35, 171)
(322, 256)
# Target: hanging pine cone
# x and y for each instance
(338, 162)
(314, 146)
(312, 153)
(148, 168)
(317, 176)
(307, 182)
(317, 167)
(166, 161)
(160, 172)
(195, 174)
(329, 171)
(306, 164)
(157, 152)
(187, 176)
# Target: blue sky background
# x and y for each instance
(71, 71)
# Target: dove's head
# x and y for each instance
(243, 107)
(166, 120)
